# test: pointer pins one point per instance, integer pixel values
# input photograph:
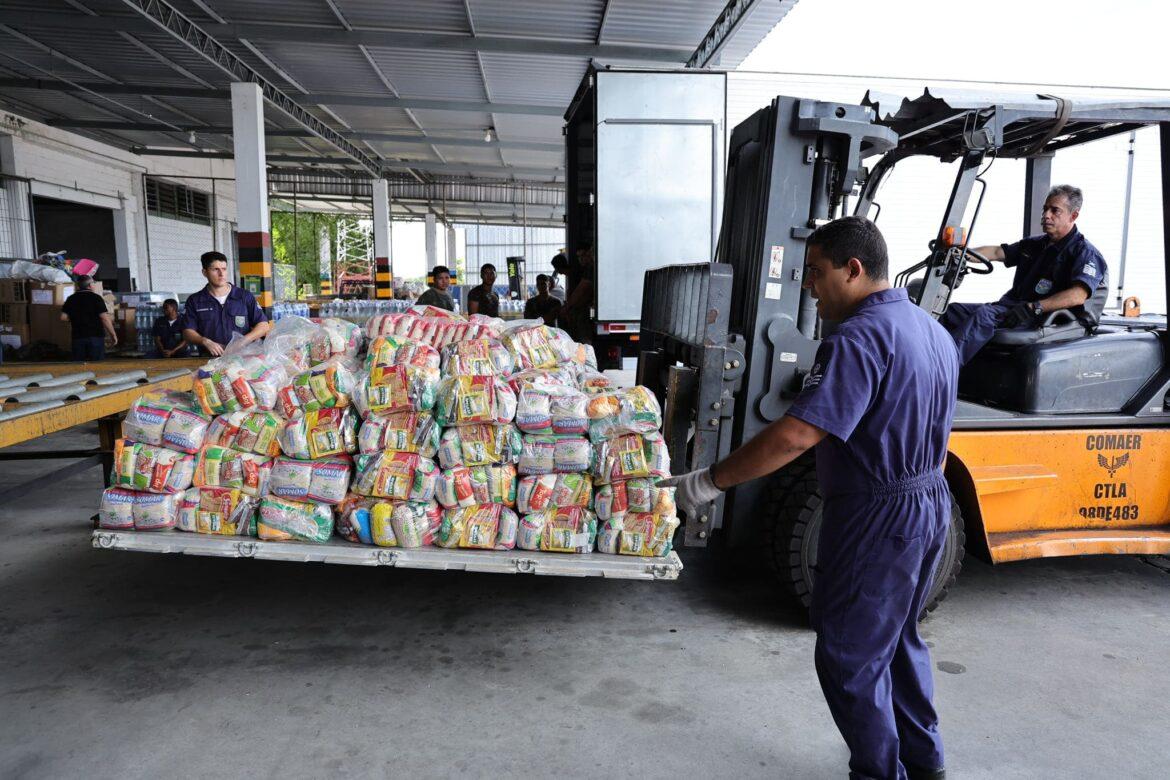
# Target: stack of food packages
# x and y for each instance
(294, 437)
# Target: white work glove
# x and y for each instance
(693, 490)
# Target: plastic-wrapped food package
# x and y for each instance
(544, 408)
(326, 386)
(538, 346)
(630, 456)
(634, 495)
(437, 312)
(468, 486)
(325, 480)
(433, 330)
(320, 434)
(481, 527)
(335, 337)
(593, 382)
(585, 357)
(387, 351)
(289, 343)
(404, 523)
(547, 454)
(396, 389)
(477, 357)
(123, 509)
(257, 432)
(402, 432)
(223, 467)
(151, 469)
(570, 529)
(352, 519)
(631, 410)
(560, 375)
(214, 510)
(464, 400)
(399, 476)
(167, 418)
(281, 519)
(537, 493)
(479, 445)
(637, 533)
(240, 382)
(495, 324)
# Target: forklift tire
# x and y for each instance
(792, 529)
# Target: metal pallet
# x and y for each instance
(621, 567)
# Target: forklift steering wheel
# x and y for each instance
(984, 265)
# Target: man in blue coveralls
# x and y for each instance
(877, 405)
(221, 309)
(1058, 269)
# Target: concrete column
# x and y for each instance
(324, 260)
(124, 223)
(383, 275)
(432, 240)
(451, 250)
(254, 236)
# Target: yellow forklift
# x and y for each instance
(1061, 439)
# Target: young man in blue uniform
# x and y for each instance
(1058, 269)
(168, 332)
(878, 405)
(212, 315)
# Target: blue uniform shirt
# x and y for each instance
(171, 333)
(1045, 267)
(883, 387)
(238, 314)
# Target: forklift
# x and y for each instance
(1061, 437)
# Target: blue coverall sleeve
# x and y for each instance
(1089, 271)
(188, 317)
(840, 389)
(255, 313)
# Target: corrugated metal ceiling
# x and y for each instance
(511, 65)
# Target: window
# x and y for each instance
(175, 201)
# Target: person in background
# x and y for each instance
(542, 305)
(575, 314)
(439, 294)
(85, 311)
(483, 299)
(560, 265)
(220, 310)
(168, 331)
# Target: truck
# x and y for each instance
(1061, 432)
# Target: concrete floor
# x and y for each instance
(128, 665)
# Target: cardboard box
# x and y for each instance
(13, 291)
(126, 326)
(48, 294)
(14, 313)
(45, 325)
(15, 336)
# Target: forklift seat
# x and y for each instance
(1059, 325)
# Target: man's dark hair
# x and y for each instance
(170, 302)
(849, 237)
(545, 277)
(560, 262)
(207, 258)
(486, 266)
(440, 269)
(84, 282)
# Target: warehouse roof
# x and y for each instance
(413, 86)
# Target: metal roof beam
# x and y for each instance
(164, 16)
(726, 25)
(391, 39)
(312, 99)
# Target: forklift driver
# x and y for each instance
(1058, 269)
(877, 405)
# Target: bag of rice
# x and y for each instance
(387, 351)
(222, 467)
(631, 410)
(569, 529)
(167, 418)
(123, 509)
(404, 523)
(539, 492)
(325, 480)
(547, 454)
(477, 357)
(464, 400)
(283, 520)
(150, 469)
(402, 432)
(256, 432)
(635, 495)
(630, 456)
(468, 486)
(637, 533)
(320, 434)
(479, 445)
(396, 389)
(544, 408)
(222, 511)
(326, 386)
(480, 527)
(399, 476)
